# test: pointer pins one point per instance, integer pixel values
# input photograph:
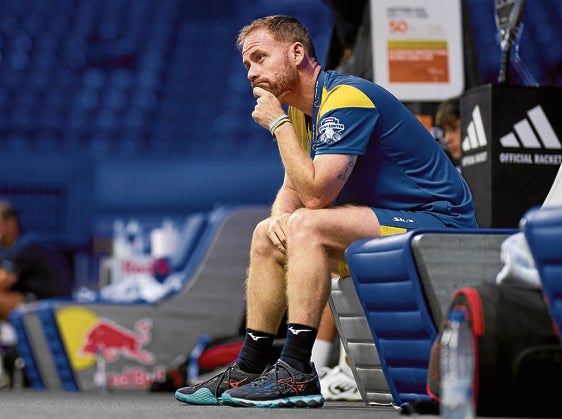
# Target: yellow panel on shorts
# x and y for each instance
(343, 268)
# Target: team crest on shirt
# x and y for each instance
(330, 131)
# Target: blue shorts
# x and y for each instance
(397, 221)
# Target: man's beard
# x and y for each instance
(284, 83)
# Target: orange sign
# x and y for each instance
(417, 48)
(418, 62)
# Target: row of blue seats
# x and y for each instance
(123, 113)
(100, 96)
(142, 101)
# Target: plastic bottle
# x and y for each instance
(3, 376)
(457, 368)
(18, 374)
(171, 237)
(193, 366)
(164, 240)
(100, 373)
(135, 237)
(121, 247)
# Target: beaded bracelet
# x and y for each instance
(277, 122)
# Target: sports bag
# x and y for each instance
(518, 353)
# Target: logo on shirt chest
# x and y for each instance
(330, 132)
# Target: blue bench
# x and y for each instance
(404, 284)
(543, 231)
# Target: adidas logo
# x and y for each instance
(476, 135)
(534, 131)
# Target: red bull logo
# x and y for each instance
(85, 334)
(142, 266)
(114, 341)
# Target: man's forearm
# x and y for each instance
(286, 202)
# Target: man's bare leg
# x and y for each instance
(265, 287)
(317, 239)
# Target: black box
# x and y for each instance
(511, 149)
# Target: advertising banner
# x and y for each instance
(418, 48)
(511, 149)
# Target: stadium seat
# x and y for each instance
(543, 230)
(404, 284)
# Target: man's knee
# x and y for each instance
(302, 223)
(260, 238)
(261, 228)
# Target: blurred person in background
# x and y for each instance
(29, 269)
(448, 120)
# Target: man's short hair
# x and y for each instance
(448, 113)
(283, 28)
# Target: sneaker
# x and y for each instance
(279, 386)
(338, 386)
(210, 391)
(322, 371)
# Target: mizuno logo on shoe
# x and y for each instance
(297, 331)
(235, 384)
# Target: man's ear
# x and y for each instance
(298, 53)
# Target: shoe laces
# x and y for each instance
(271, 371)
(221, 379)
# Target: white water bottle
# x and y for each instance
(121, 246)
(457, 368)
(135, 237)
(100, 373)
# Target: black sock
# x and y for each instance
(298, 346)
(255, 354)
